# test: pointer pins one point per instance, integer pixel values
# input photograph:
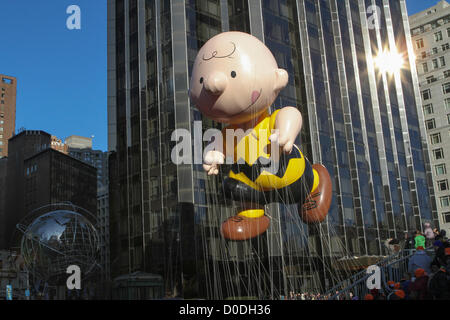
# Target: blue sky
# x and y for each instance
(415, 6)
(62, 73)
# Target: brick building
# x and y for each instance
(8, 89)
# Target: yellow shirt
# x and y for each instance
(251, 154)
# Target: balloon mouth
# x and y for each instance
(223, 115)
(255, 97)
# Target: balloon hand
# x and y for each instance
(286, 141)
(212, 161)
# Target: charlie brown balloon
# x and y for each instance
(235, 80)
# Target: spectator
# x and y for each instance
(398, 295)
(392, 246)
(409, 241)
(419, 260)
(447, 259)
(434, 269)
(394, 287)
(436, 233)
(405, 282)
(419, 240)
(391, 284)
(439, 285)
(418, 290)
(442, 236)
(369, 297)
(377, 295)
(429, 234)
(439, 256)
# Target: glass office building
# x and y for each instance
(363, 124)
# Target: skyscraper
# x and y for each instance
(8, 90)
(431, 39)
(81, 148)
(362, 122)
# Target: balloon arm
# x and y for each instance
(288, 124)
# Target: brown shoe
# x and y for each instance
(243, 228)
(317, 204)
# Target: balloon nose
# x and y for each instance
(215, 83)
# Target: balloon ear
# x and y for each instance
(282, 78)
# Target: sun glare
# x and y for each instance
(389, 61)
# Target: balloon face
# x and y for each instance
(235, 78)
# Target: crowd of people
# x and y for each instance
(427, 278)
(306, 296)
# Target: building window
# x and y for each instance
(431, 79)
(443, 185)
(445, 47)
(446, 88)
(435, 64)
(447, 103)
(448, 32)
(435, 50)
(435, 138)
(430, 124)
(438, 154)
(425, 67)
(438, 36)
(424, 54)
(448, 118)
(442, 60)
(446, 217)
(419, 43)
(428, 109)
(445, 202)
(441, 169)
(446, 73)
(426, 94)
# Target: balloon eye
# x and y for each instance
(233, 74)
(201, 80)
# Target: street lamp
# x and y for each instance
(389, 61)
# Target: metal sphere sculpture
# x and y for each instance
(56, 240)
